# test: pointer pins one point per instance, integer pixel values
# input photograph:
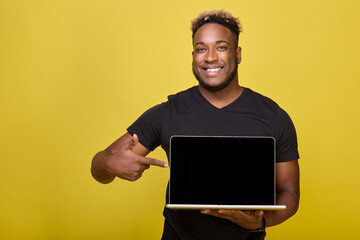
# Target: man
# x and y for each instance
(217, 106)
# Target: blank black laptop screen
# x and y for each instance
(222, 170)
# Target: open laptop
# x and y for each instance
(222, 172)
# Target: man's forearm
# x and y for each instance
(98, 168)
(288, 198)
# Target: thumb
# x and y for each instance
(259, 213)
(132, 143)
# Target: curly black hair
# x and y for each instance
(217, 16)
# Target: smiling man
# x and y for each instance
(215, 57)
(217, 106)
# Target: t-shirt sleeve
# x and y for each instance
(286, 139)
(148, 127)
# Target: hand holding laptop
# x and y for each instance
(128, 165)
(246, 219)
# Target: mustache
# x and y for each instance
(228, 79)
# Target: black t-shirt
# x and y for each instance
(189, 113)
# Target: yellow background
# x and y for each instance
(74, 74)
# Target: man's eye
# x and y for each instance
(222, 47)
(200, 50)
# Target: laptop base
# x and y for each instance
(240, 207)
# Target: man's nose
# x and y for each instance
(211, 56)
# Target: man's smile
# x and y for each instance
(213, 69)
(215, 57)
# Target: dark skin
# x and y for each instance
(215, 57)
(287, 184)
(125, 158)
(217, 49)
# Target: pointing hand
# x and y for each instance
(128, 165)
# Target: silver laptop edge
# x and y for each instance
(240, 207)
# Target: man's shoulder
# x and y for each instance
(175, 100)
(258, 98)
(183, 99)
(182, 94)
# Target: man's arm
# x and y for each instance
(288, 193)
(125, 158)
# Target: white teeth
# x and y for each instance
(213, 69)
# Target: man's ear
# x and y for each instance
(192, 53)
(238, 55)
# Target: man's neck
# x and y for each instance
(224, 97)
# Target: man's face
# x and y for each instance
(215, 56)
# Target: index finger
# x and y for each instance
(153, 161)
(254, 212)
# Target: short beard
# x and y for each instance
(219, 87)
